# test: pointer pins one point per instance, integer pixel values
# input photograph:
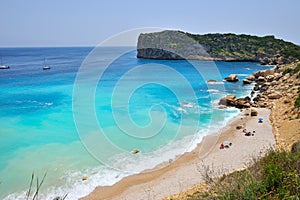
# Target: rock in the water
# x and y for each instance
(228, 100)
(251, 78)
(231, 100)
(135, 151)
(232, 78)
(246, 81)
(253, 112)
(211, 81)
(84, 178)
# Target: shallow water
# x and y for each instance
(51, 121)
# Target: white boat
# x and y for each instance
(46, 67)
(3, 66)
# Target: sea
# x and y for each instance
(101, 114)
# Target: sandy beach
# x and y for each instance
(185, 172)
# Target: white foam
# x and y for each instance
(216, 83)
(213, 91)
(103, 176)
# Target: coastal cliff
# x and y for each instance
(172, 45)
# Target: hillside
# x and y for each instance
(220, 47)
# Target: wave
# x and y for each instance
(104, 176)
(216, 83)
(213, 91)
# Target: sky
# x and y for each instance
(89, 22)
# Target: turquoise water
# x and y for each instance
(72, 122)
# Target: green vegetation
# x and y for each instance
(275, 176)
(33, 193)
(287, 71)
(292, 71)
(297, 102)
(228, 47)
(247, 46)
(297, 69)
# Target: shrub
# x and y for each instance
(297, 69)
(275, 176)
(287, 70)
(297, 102)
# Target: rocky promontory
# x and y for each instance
(172, 45)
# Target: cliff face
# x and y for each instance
(219, 47)
(169, 45)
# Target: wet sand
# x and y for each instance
(187, 170)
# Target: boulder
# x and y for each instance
(255, 99)
(247, 82)
(232, 78)
(268, 72)
(264, 73)
(242, 103)
(238, 127)
(251, 78)
(274, 83)
(264, 61)
(274, 95)
(261, 79)
(253, 112)
(270, 78)
(257, 74)
(277, 76)
(227, 100)
(256, 87)
(231, 100)
(247, 98)
(135, 151)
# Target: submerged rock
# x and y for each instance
(211, 81)
(135, 151)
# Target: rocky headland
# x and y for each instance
(216, 47)
(277, 89)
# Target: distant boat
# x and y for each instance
(3, 66)
(46, 67)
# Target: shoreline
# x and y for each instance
(183, 173)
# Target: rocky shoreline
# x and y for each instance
(276, 89)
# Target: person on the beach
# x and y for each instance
(222, 146)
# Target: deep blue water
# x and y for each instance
(50, 120)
